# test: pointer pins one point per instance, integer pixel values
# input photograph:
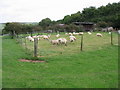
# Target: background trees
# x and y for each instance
(103, 16)
(110, 14)
(13, 28)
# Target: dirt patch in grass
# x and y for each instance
(26, 60)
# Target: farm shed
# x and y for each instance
(87, 26)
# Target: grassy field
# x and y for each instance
(95, 67)
(90, 43)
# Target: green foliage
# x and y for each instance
(13, 28)
(103, 16)
(19, 28)
(67, 19)
(102, 24)
(45, 22)
(109, 14)
(89, 13)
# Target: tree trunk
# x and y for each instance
(12, 34)
(31, 34)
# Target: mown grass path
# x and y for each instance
(92, 69)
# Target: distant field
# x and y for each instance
(95, 67)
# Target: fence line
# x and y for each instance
(34, 50)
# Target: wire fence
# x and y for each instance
(36, 50)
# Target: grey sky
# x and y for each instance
(36, 10)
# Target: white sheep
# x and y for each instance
(49, 36)
(45, 37)
(30, 38)
(99, 34)
(34, 36)
(40, 36)
(62, 41)
(58, 35)
(70, 34)
(109, 32)
(81, 33)
(89, 33)
(72, 38)
(77, 33)
(66, 33)
(110, 28)
(74, 33)
(118, 31)
(55, 42)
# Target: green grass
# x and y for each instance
(90, 43)
(93, 68)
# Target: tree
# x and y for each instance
(13, 28)
(67, 19)
(45, 22)
(77, 17)
(102, 24)
(89, 13)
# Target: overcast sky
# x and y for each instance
(36, 10)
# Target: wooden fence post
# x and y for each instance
(111, 38)
(81, 48)
(25, 44)
(35, 47)
(21, 40)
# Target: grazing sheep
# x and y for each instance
(75, 33)
(70, 34)
(89, 33)
(81, 33)
(49, 36)
(34, 36)
(30, 38)
(45, 37)
(99, 34)
(72, 38)
(55, 42)
(58, 35)
(109, 32)
(110, 28)
(104, 29)
(40, 36)
(118, 31)
(62, 41)
(66, 33)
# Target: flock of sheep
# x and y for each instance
(61, 40)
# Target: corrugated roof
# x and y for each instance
(83, 23)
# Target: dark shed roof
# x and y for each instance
(83, 23)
